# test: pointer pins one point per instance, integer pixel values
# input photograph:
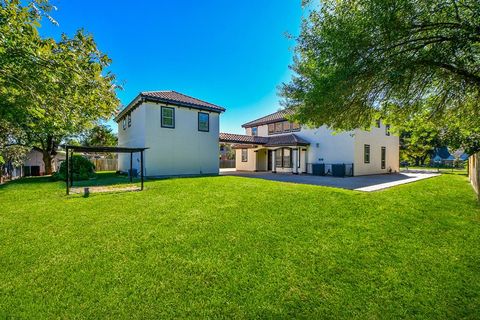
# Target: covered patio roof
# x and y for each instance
(103, 149)
(69, 149)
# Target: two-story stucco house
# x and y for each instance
(180, 132)
(272, 143)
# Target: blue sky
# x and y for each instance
(231, 53)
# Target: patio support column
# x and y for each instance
(71, 168)
(274, 168)
(295, 161)
(131, 167)
(141, 168)
(67, 172)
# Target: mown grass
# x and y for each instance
(231, 247)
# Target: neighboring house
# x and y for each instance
(9, 171)
(272, 143)
(34, 165)
(180, 132)
(441, 156)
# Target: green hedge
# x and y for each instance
(83, 169)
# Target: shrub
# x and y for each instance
(83, 169)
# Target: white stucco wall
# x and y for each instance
(250, 164)
(133, 136)
(325, 146)
(377, 139)
(182, 150)
(329, 147)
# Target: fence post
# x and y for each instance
(477, 173)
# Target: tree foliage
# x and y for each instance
(355, 58)
(418, 138)
(100, 135)
(49, 89)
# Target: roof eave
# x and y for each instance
(142, 98)
(297, 144)
(182, 104)
(261, 123)
(122, 113)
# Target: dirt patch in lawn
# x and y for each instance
(98, 189)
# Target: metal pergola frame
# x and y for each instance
(100, 149)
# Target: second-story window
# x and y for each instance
(271, 128)
(129, 120)
(124, 123)
(203, 121)
(254, 131)
(278, 127)
(282, 127)
(168, 117)
(387, 129)
(295, 126)
(378, 123)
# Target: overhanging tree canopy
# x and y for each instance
(354, 59)
(49, 89)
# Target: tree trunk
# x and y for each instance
(49, 150)
(47, 160)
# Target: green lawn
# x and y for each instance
(442, 170)
(235, 247)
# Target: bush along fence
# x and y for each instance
(474, 172)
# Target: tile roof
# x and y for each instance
(286, 140)
(241, 138)
(273, 141)
(169, 97)
(177, 97)
(274, 117)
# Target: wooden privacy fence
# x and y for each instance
(105, 164)
(227, 164)
(474, 172)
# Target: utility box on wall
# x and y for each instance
(338, 170)
(318, 169)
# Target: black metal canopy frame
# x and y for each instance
(100, 149)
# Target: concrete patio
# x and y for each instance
(359, 183)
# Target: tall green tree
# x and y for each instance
(100, 135)
(355, 57)
(50, 89)
(419, 137)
